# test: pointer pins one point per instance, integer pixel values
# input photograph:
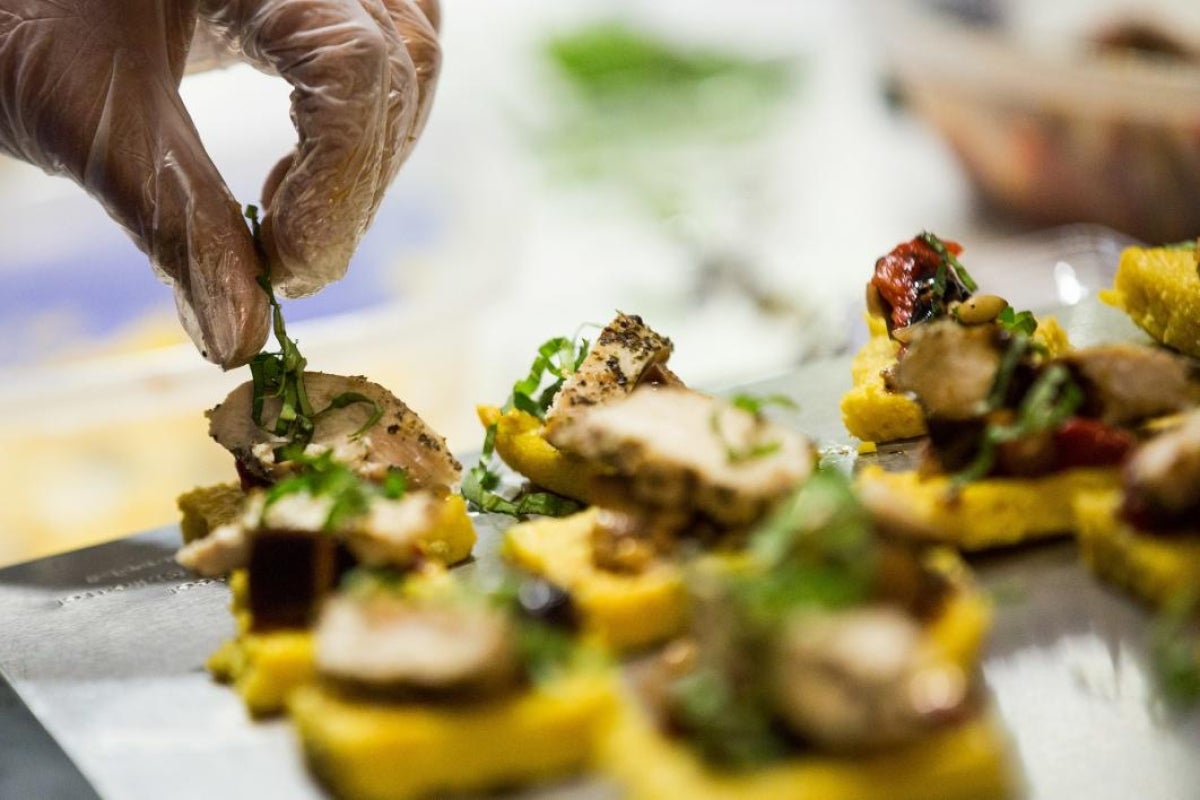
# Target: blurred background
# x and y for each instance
(729, 171)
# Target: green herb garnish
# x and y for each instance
(370, 581)
(556, 359)
(816, 551)
(730, 723)
(281, 375)
(1015, 322)
(756, 404)
(948, 261)
(752, 404)
(1050, 401)
(1175, 647)
(350, 494)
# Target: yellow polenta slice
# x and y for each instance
(959, 631)
(873, 414)
(450, 539)
(1160, 291)
(264, 667)
(207, 507)
(620, 611)
(966, 762)
(520, 444)
(993, 512)
(392, 751)
(1155, 568)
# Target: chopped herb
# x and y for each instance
(949, 261)
(543, 649)
(817, 551)
(817, 547)
(556, 358)
(730, 725)
(751, 404)
(350, 494)
(1175, 646)
(364, 581)
(544, 644)
(1002, 383)
(755, 404)
(479, 490)
(281, 375)
(1052, 398)
(1017, 321)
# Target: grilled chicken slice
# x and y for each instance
(626, 354)
(399, 439)
(950, 368)
(1162, 480)
(683, 451)
(397, 646)
(1127, 383)
(225, 549)
(860, 680)
(388, 532)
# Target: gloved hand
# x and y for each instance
(89, 89)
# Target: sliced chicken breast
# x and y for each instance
(399, 439)
(677, 449)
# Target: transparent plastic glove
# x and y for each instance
(89, 89)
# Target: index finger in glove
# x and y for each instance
(354, 97)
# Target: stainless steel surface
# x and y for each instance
(107, 645)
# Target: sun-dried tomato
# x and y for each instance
(1083, 442)
(907, 280)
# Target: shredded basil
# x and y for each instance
(350, 493)
(479, 490)
(755, 405)
(281, 374)
(1050, 401)
(816, 551)
(949, 261)
(728, 722)
(1015, 322)
(557, 358)
(369, 581)
(1175, 645)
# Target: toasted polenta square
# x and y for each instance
(265, 668)
(993, 512)
(367, 750)
(969, 761)
(521, 445)
(873, 413)
(959, 631)
(1159, 289)
(870, 411)
(207, 507)
(1155, 568)
(620, 611)
(452, 536)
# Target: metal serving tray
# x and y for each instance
(103, 691)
